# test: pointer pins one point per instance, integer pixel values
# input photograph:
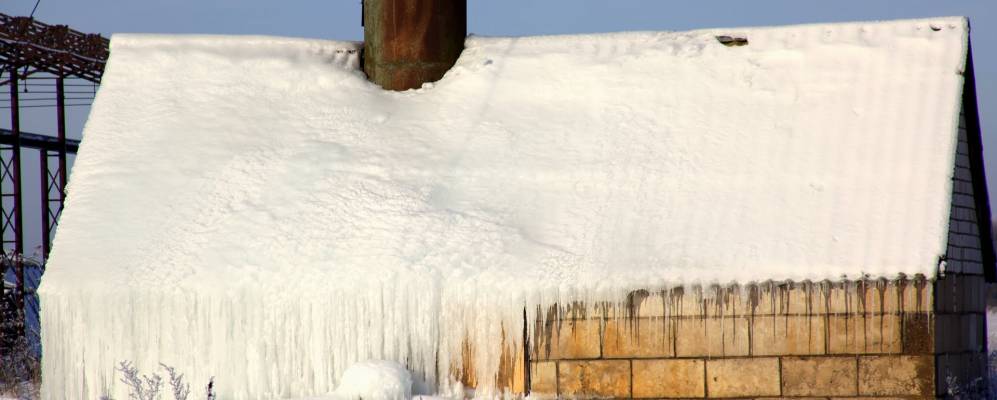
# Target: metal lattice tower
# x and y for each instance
(41, 66)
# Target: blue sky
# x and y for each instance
(340, 19)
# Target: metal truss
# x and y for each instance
(55, 49)
(41, 57)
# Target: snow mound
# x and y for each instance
(375, 380)
(252, 208)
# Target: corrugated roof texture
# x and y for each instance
(813, 152)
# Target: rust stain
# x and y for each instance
(411, 42)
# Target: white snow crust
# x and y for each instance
(252, 208)
(375, 380)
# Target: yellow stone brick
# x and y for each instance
(803, 398)
(686, 302)
(917, 296)
(797, 398)
(742, 377)
(464, 370)
(570, 339)
(668, 378)
(768, 299)
(881, 297)
(787, 335)
(653, 305)
(879, 398)
(725, 301)
(918, 333)
(638, 338)
(805, 299)
(679, 302)
(799, 298)
(713, 337)
(519, 373)
(751, 302)
(601, 378)
(577, 310)
(842, 299)
(601, 310)
(896, 375)
(819, 376)
(511, 370)
(543, 378)
(858, 333)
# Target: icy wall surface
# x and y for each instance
(252, 208)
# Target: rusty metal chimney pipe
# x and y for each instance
(411, 42)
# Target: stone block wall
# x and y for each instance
(868, 339)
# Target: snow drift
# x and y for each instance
(252, 208)
(375, 380)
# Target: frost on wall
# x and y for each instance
(253, 208)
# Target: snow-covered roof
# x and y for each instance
(265, 182)
(813, 152)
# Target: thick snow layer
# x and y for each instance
(375, 380)
(252, 208)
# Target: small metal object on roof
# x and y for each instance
(732, 41)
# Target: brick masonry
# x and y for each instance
(822, 340)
